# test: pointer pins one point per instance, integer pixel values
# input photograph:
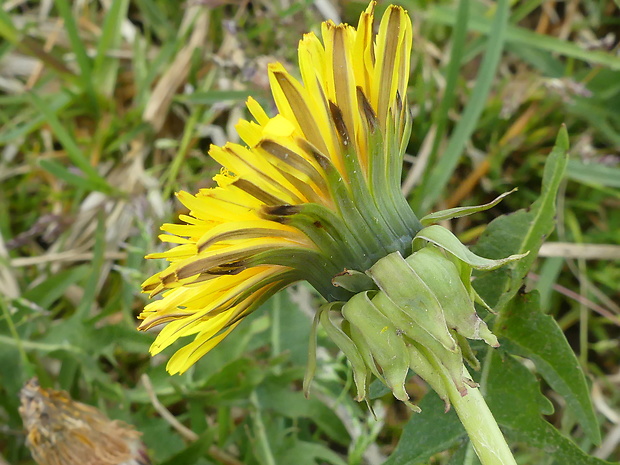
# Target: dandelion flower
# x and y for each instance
(314, 194)
(314, 190)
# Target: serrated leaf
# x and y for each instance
(520, 232)
(427, 433)
(526, 331)
(513, 394)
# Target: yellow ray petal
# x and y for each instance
(257, 111)
(185, 357)
(340, 72)
(298, 103)
(395, 27)
(253, 170)
(363, 52)
(243, 230)
(250, 132)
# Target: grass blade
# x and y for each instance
(516, 34)
(434, 184)
(73, 151)
(105, 67)
(55, 168)
(452, 72)
(83, 61)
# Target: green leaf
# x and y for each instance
(593, 174)
(521, 232)
(236, 380)
(91, 286)
(526, 331)
(427, 433)
(54, 104)
(110, 338)
(308, 453)
(542, 60)
(514, 396)
(7, 28)
(377, 389)
(45, 293)
(279, 397)
(194, 451)
(44, 347)
(32, 46)
(452, 73)
(294, 330)
(162, 441)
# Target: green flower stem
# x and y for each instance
(481, 427)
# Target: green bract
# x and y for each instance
(414, 313)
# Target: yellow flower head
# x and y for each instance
(314, 192)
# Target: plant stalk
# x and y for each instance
(481, 427)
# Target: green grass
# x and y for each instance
(104, 117)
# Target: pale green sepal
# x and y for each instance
(458, 212)
(468, 353)
(452, 361)
(385, 342)
(350, 351)
(366, 354)
(354, 281)
(444, 281)
(425, 370)
(443, 238)
(404, 287)
(449, 362)
(364, 351)
(406, 324)
(465, 274)
(359, 341)
(311, 365)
